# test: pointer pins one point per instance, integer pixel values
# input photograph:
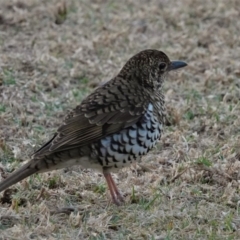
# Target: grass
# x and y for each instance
(53, 55)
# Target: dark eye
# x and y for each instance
(162, 66)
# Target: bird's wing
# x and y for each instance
(107, 110)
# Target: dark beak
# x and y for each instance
(176, 64)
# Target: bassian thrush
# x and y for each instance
(113, 127)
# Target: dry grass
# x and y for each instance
(50, 58)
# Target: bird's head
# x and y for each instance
(149, 68)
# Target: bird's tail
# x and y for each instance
(25, 171)
(41, 164)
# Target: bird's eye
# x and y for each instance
(162, 66)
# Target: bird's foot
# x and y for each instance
(117, 197)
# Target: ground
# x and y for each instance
(52, 55)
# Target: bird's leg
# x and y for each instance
(111, 189)
(115, 188)
(115, 194)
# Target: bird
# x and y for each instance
(113, 127)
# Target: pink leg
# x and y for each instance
(115, 194)
(118, 194)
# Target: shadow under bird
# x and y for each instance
(113, 127)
